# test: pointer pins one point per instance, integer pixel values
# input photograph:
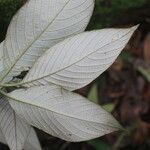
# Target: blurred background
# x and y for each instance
(124, 89)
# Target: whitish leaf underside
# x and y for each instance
(78, 60)
(14, 129)
(61, 113)
(32, 142)
(38, 25)
(1, 58)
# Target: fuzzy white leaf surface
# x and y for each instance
(32, 142)
(37, 26)
(78, 60)
(61, 113)
(14, 129)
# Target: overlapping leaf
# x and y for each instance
(32, 142)
(61, 113)
(78, 60)
(14, 129)
(38, 25)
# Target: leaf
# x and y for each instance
(1, 57)
(99, 145)
(145, 73)
(78, 60)
(2, 138)
(32, 142)
(109, 107)
(37, 26)
(93, 94)
(2, 69)
(61, 113)
(13, 128)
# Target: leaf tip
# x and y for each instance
(116, 125)
(135, 27)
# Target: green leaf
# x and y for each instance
(109, 107)
(38, 26)
(145, 73)
(93, 94)
(99, 145)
